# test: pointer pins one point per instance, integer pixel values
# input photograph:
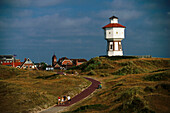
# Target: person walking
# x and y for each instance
(69, 99)
(59, 100)
(62, 100)
(100, 86)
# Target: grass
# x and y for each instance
(144, 88)
(158, 76)
(87, 108)
(26, 90)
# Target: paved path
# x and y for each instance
(75, 99)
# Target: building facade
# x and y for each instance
(114, 33)
(28, 64)
(66, 63)
(9, 60)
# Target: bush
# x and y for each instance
(163, 86)
(148, 89)
(157, 76)
(104, 75)
(88, 107)
(134, 104)
(129, 69)
(92, 72)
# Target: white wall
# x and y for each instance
(115, 20)
(114, 33)
(115, 53)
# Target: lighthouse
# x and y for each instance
(114, 33)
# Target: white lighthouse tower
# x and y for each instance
(114, 34)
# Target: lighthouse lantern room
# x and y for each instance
(114, 34)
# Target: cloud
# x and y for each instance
(168, 13)
(63, 41)
(22, 13)
(29, 3)
(122, 4)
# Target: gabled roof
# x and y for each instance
(113, 17)
(113, 25)
(63, 58)
(79, 60)
(27, 61)
(57, 65)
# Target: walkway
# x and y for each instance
(75, 99)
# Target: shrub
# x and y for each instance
(92, 72)
(134, 104)
(88, 107)
(157, 76)
(129, 70)
(148, 89)
(104, 75)
(163, 86)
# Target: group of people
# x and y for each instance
(62, 100)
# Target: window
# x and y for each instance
(116, 45)
(109, 32)
(111, 46)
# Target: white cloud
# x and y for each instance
(122, 4)
(22, 13)
(27, 3)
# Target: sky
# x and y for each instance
(37, 29)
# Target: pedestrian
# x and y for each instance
(62, 100)
(59, 100)
(100, 86)
(69, 99)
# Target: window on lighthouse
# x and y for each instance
(111, 45)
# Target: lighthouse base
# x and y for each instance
(115, 53)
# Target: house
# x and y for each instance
(49, 68)
(66, 63)
(28, 64)
(9, 60)
(78, 62)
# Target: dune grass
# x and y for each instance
(143, 88)
(26, 90)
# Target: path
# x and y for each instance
(75, 99)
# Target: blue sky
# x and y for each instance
(37, 29)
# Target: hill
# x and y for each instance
(129, 85)
(26, 90)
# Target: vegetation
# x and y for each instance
(26, 90)
(158, 76)
(143, 88)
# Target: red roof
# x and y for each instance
(113, 25)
